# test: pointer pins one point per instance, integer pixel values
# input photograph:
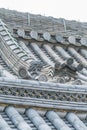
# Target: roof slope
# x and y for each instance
(42, 56)
(31, 119)
(38, 48)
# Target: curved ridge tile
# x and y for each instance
(14, 59)
(28, 51)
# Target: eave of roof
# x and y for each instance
(41, 94)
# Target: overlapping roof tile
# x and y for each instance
(33, 119)
(41, 50)
(42, 55)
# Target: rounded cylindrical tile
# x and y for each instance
(75, 121)
(23, 126)
(3, 124)
(57, 121)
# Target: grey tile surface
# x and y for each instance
(14, 118)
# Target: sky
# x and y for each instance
(68, 9)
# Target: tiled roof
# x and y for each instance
(39, 49)
(34, 119)
(43, 56)
(41, 105)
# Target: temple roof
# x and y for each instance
(33, 51)
(43, 72)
